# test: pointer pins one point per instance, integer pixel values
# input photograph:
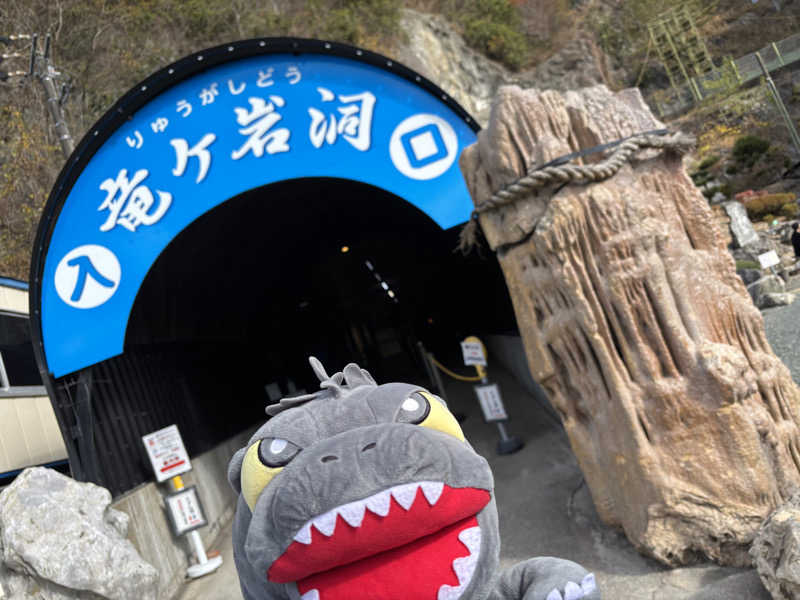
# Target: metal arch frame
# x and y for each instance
(138, 96)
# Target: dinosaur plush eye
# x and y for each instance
(262, 462)
(276, 452)
(414, 409)
(425, 409)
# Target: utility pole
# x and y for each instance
(42, 69)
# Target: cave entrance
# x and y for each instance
(237, 211)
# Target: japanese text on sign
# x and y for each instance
(185, 511)
(491, 402)
(167, 453)
(473, 353)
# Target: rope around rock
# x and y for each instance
(676, 143)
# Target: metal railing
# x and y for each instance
(730, 75)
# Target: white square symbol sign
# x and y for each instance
(424, 145)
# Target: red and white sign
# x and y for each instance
(473, 353)
(185, 511)
(167, 453)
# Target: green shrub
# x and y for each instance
(759, 206)
(747, 264)
(768, 218)
(354, 21)
(748, 148)
(708, 162)
(789, 209)
(701, 177)
(494, 28)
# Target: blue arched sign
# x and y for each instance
(208, 128)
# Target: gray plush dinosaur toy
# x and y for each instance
(370, 492)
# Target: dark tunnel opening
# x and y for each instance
(233, 307)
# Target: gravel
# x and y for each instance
(782, 325)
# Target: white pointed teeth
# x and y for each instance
(464, 566)
(432, 490)
(326, 523)
(379, 503)
(353, 513)
(573, 591)
(471, 538)
(304, 535)
(405, 494)
(310, 595)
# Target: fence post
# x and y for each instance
(778, 54)
(781, 108)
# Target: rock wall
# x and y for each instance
(684, 422)
(434, 48)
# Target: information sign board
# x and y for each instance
(473, 353)
(185, 511)
(167, 453)
(769, 259)
(491, 402)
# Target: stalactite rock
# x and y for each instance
(684, 422)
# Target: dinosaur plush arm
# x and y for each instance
(546, 578)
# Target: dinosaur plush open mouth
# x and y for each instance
(416, 540)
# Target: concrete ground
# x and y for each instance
(545, 509)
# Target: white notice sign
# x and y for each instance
(167, 453)
(473, 353)
(185, 511)
(491, 402)
(769, 259)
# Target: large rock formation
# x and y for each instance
(60, 539)
(684, 422)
